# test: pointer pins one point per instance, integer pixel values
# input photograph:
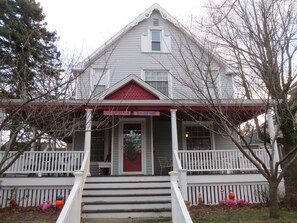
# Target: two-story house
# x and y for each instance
(138, 83)
(146, 95)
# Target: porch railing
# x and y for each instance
(39, 162)
(71, 212)
(219, 160)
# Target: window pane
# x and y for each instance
(156, 46)
(161, 86)
(158, 80)
(156, 36)
(98, 89)
(156, 41)
(198, 138)
(98, 78)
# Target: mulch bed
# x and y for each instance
(29, 214)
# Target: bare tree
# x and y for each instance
(53, 114)
(258, 38)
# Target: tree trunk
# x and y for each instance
(291, 187)
(274, 208)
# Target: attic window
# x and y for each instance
(155, 22)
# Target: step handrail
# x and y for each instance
(180, 213)
(71, 212)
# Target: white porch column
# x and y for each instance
(34, 144)
(174, 137)
(88, 137)
(273, 139)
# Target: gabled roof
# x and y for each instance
(145, 15)
(131, 88)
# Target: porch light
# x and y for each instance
(187, 135)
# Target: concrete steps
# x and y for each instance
(127, 197)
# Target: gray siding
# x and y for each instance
(222, 142)
(149, 167)
(79, 141)
(162, 142)
(126, 58)
(227, 87)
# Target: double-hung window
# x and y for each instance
(156, 40)
(157, 79)
(99, 80)
(212, 84)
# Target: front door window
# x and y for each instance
(132, 146)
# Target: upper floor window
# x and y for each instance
(158, 80)
(156, 40)
(212, 84)
(99, 80)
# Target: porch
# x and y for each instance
(214, 180)
(152, 135)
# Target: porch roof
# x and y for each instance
(163, 104)
(61, 117)
(245, 109)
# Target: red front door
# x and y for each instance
(132, 147)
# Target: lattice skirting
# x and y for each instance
(213, 194)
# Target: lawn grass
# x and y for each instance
(239, 215)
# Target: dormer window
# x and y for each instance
(156, 40)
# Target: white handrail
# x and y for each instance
(180, 213)
(177, 161)
(40, 162)
(219, 160)
(71, 212)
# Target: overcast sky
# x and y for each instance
(84, 25)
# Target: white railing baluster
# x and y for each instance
(219, 160)
(44, 162)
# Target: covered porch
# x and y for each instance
(141, 138)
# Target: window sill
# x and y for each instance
(155, 52)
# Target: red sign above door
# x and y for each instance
(146, 113)
(135, 113)
(124, 113)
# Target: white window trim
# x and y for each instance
(170, 91)
(107, 73)
(157, 29)
(208, 124)
(165, 41)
